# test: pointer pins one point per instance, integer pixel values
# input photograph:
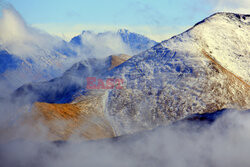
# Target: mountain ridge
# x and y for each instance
(193, 72)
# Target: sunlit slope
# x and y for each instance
(79, 120)
(202, 70)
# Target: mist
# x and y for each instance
(225, 143)
(102, 44)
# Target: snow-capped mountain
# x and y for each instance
(126, 42)
(96, 46)
(202, 70)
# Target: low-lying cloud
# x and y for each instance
(102, 44)
(224, 144)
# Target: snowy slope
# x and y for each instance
(204, 69)
(184, 75)
(232, 45)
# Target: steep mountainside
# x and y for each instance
(194, 72)
(202, 70)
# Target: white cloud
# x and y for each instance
(21, 39)
(102, 45)
(224, 144)
(236, 6)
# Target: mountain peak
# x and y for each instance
(123, 30)
(233, 16)
(242, 18)
(223, 36)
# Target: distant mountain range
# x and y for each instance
(46, 63)
(134, 42)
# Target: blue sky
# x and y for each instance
(158, 19)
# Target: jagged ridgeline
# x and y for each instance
(202, 70)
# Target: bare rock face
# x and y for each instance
(202, 70)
